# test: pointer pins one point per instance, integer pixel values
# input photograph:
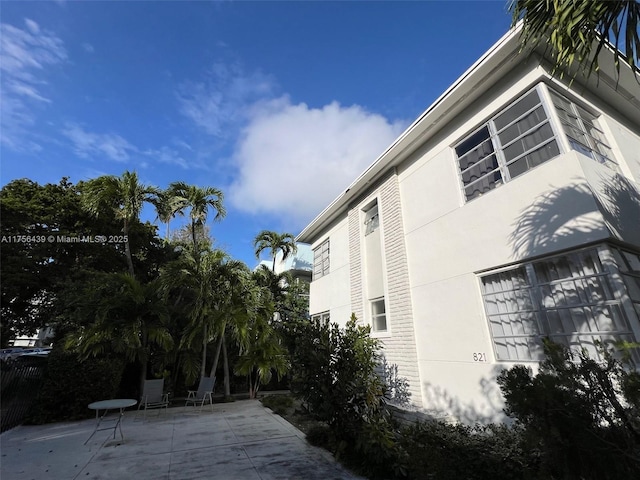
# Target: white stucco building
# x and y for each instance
(508, 211)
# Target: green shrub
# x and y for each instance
(581, 413)
(70, 385)
(334, 374)
(320, 436)
(280, 404)
(441, 451)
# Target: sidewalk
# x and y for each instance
(240, 440)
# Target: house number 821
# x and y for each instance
(479, 357)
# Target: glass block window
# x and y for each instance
(378, 315)
(582, 130)
(570, 298)
(514, 141)
(629, 265)
(321, 260)
(523, 136)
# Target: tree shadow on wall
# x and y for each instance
(572, 215)
(489, 409)
(557, 218)
(619, 202)
(608, 208)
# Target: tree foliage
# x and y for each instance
(581, 413)
(334, 374)
(184, 299)
(123, 197)
(275, 242)
(198, 201)
(576, 31)
(37, 264)
(129, 317)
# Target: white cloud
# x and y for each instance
(219, 103)
(115, 147)
(25, 54)
(87, 47)
(167, 155)
(293, 160)
(88, 144)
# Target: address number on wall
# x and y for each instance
(479, 357)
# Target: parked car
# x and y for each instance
(9, 354)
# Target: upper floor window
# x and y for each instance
(371, 219)
(509, 144)
(321, 260)
(581, 128)
(523, 136)
(378, 315)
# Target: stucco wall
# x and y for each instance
(331, 292)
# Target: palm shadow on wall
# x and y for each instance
(559, 219)
(607, 209)
(487, 411)
(572, 215)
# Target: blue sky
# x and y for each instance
(281, 105)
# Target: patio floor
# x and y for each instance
(239, 440)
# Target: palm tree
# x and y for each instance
(572, 28)
(129, 318)
(276, 284)
(206, 283)
(275, 242)
(264, 354)
(242, 302)
(124, 196)
(198, 201)
(166, 210)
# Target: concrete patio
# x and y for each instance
(240, 440)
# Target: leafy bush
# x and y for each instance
(334, 374)
(582, 414)
(70, 385)
(280, 404)
(320, 436)
(437, 450)
(397, 387)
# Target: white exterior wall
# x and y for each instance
(331, 292)
(448, 241)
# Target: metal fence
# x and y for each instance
(19, 386)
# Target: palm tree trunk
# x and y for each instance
(204, 352)
(225, 362)
(127, 247)
(214, 367)
(145, 359)
(195, 243)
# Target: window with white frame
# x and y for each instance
(572, 299)
(378, 315)
(371, 219)
(321, 260)
(323, 318)
(523, 136)
(582, 130)
(629, 265)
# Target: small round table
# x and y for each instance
(106, 405)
